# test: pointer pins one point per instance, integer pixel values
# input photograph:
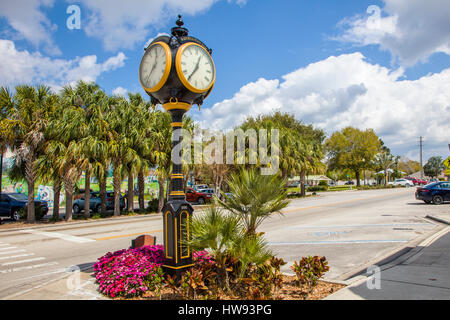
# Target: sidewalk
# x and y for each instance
(423, 273)
(71, 286)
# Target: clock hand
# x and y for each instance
(153, 68)
(195, 69)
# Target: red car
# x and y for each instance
(417, 181)
(196, 196)
(422, 182)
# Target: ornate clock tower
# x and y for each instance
(177, 72)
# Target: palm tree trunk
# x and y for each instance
(161, 194)
(30, 205)
(116, 183)
(302, 183)
(130, 193)
(102, 186)
(357, 178)
(30, 177)
(1, 171)
(87, 193)
(56, 192)
(141, 188)
(68, 186)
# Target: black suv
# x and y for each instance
(12, 203)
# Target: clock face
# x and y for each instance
(197, 68)
(155, 67)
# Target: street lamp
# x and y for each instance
(177, 72)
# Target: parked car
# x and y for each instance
(436, 192)
(209, 190)
(293, 184)
(95, 203)
(197, 196)
(200, 186)
(433, 180)
(422, 182)
(12, 203)
(349, 183)
(402, 182)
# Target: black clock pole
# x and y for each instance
(177, 96)
(177, 212)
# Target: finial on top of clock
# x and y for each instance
(179, 31)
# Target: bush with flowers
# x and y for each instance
(131, 272)
(128, 272)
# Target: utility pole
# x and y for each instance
(421, 165)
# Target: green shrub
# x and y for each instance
(38, 213)
(309, 270)
(153, 205)
(323, 183)
(317, 188)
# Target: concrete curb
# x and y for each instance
(359, 279)
(438, 219)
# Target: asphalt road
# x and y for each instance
(352, 229)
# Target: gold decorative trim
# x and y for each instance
(176, 243)
(180, 71)
(171, 267)
(166, 231)
(187, 234)
(166, 73)
(177, 105)
(176, 124)
(177, 193)
(177, 176)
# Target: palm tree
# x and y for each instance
(161, 132)
(89, 97)
(384, 160)
(46, 164)
(27, 111)
(120, 148)
(254, 197)
(143, 144)
(6, 134)
(217, 232)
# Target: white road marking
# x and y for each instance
(8, 248)
(58, 235)
(29, 267)
(22, 261)
(9, 252)
(360, 225)
(42, 274)
(17, 256)
(336, 242)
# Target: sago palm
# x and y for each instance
(254, 197)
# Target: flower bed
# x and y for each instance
(127, 272)
(137, 274)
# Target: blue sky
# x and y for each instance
(371, 64)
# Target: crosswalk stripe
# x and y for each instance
(29, 267)
(57, 235)
(17, 256)
(14, 251)
(3, 244)
(8, 248)
(22, 261)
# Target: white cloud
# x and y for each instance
(411, 30)
(348, 91)
(30, 23)
(120, 91)
(18, 67)
(123, 24)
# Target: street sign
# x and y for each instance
(447, 162)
